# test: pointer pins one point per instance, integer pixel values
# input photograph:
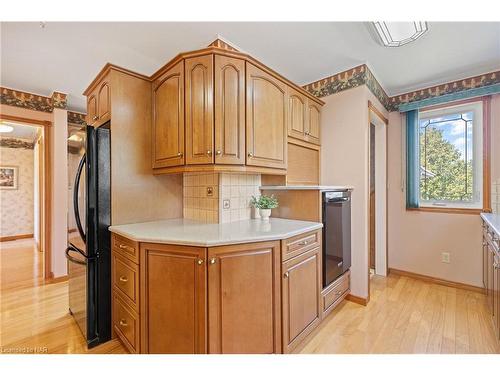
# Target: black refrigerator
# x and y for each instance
(89, 242)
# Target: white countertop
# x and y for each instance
(195, 233)
(307, 187)
(493, 221)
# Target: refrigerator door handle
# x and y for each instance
(74, 260)
(76, 191)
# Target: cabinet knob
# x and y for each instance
(95, 117)
(209, 152)
(496, 265)
(213, 260)
(179, 154)
(307, 133)
(250, 155)
(123, 279)
(123, 323)
(286, 274)
(200, 261)
(218, 152)
(123, 247)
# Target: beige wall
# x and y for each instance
(344, 161)
(17, 205)
(417, 239)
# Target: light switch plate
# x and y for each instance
(445, 257)
(226, 204)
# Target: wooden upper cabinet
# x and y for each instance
(174, 299)
(267, 116)
(104, 102)
(297, 112)
(229, 104)
(244, 298)
(313, 132)
(301, 297)
(199, 110)
(168, 118)
(92, 109)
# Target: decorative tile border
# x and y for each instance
(76, 118)
(361, 75)
(34, 102)
(16, 143)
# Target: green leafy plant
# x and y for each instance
(264, 201)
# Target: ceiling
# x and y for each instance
(25, 132)
(66, 57)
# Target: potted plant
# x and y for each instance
(265, 203)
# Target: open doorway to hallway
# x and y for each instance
(22, 203)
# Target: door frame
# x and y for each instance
(385, 121)
(46, 196)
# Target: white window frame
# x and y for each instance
(477, 149)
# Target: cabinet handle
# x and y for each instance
(496, 265)
(307, 133)
(213, 260)
(218, 152)
(123, 279)
(123, 323)
(124, 247)
(209, 152)
(303, 243)
(179, 154)
(286, 274)
(200, 261)
(250, 155)
(338, 292)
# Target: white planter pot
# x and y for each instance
(265, 213)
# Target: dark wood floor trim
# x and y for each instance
(16, 237)
(359, 300)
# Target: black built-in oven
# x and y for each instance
(336, 234)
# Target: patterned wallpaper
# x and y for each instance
(34, 102)
(17, 205)
(362, 75)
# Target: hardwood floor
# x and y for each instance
(34, 316)
(404, 315)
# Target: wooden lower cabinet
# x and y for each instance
(262, 297)
(173, 296)
(491, 274)
(301, 281)
(244, 298)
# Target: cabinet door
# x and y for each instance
(313, 122)
(104, 102)
(229, 110)
(173, 299)
(266, 109)
(92, 109)
(301, 291)
(168, 121)
(496, 295)
(244, 298)
(485, 259)
(491, 269)
(199, 110)
(297, 112)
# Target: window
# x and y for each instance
(450, 156)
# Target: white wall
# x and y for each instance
(417, 239)
(59, 133)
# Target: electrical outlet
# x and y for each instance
(226, 204)
(210, 191)
(445, 257)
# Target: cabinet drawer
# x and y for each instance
(126, 280)
(128, 248)
(332, 294)
(126, 324)
(299, 244)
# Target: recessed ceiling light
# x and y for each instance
(6, 128)
(396, 34)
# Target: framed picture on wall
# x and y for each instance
(8, 177)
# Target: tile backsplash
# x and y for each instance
(236, 190)
(495, 196)
(219, 197)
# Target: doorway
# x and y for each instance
(25, 201)
(377, 244)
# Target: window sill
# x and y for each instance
(450, 210)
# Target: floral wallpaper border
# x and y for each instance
(76, 118)
(16, 143)
(361, 75)
(34, 102)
